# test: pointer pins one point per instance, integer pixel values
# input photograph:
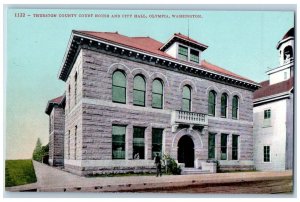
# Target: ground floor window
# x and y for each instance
(118, 142)
(157, 134)
(138, 143)
(224, 146)
(266, 153)
(235, 145)
(211, 146)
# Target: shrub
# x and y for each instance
(171, 165)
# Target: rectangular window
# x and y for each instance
(235, 147)
(186, 105)
(119, 94)
(157, 141)
(138, 143)
(224, 146)
(182, 52)
(75, 143)
(267, 114)
(266, 153)
(211, 146)
(118, 142)
(194, 56)
(267, 118)
(69, 140)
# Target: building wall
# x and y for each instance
(273, 136)
(280, 76)
(56, 138)
(289, 156)
(99, 113)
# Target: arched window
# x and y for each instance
(157, 94)
(288, 53)
(212, 103)
(235, 107)
(75, 89)
(186, 98)
(69, 98)
(224, 98)
(119, 87)
(139, 91)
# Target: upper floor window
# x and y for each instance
(211, 103)
(224, 99)
(235, 107)
(194, 56)
(139, 91)
(182, 52)
(267, 114)
(267, 118)
(186, 98)
(75, 88)
(157, 94)
(69, 100)
(119, 87)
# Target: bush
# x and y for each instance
(172, 166)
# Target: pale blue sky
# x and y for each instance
(242, 42)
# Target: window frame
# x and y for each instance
(123, 142)
(226, 105)
(226, 147)
(190, 56)
(133, 144)
(181, 55)
(155, 93)
(212, 104)
(235, 148)
(138, 90)
(117, 86)
(188, 99)
(267, 153)
(236, 107)
(212, 136)
(161, 130)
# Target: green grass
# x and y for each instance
(19, 172)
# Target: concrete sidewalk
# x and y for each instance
(55, 180)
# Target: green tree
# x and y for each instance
(38, 151)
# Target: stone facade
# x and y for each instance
(56, 138)
(90, 112)
(95, 113)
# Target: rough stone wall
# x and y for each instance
(73, 120)
(56, 139)
(99, 113)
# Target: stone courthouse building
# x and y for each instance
(128, 98)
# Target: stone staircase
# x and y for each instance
(193, 171)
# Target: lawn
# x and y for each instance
(19, 172)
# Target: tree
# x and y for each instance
(38, 151)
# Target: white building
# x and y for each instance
(273, 112)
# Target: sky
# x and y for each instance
(243, 42)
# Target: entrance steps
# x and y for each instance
(193, 171)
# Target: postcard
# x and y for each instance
(150, 101)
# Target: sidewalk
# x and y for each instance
(55, 180)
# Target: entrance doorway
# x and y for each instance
(186, 151)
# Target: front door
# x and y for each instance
(186, 151)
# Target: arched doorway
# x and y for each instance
(186, 151)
